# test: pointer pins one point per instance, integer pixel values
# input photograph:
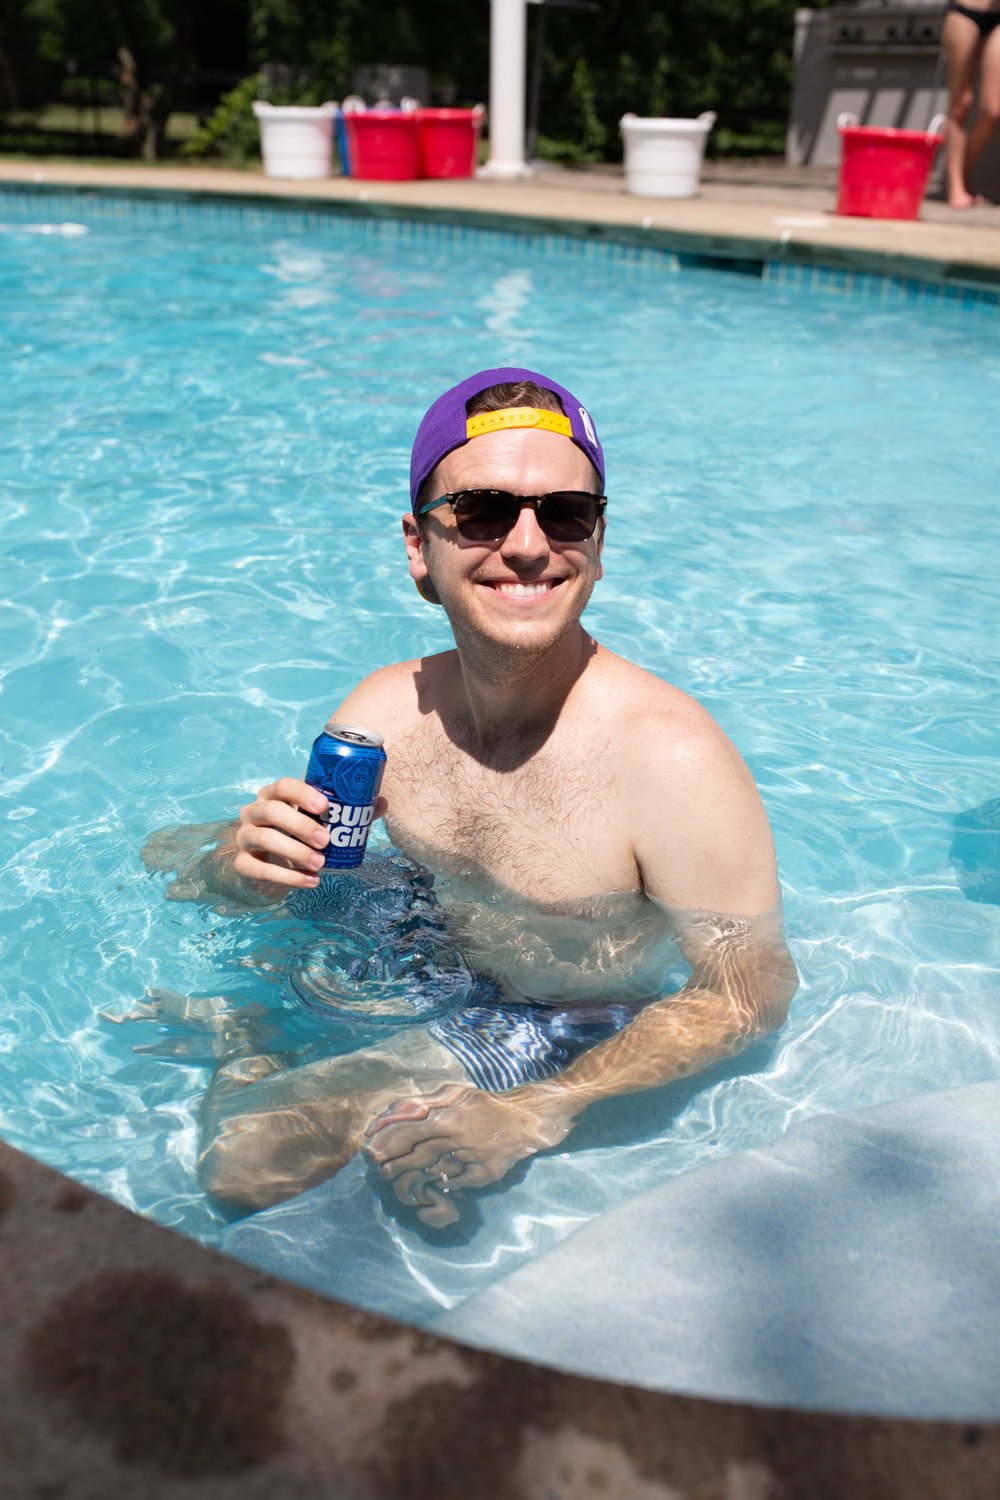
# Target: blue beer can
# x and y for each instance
(346, 764)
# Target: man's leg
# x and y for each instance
(270, 1132)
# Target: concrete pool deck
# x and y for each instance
(136, 1363)
(757, 209)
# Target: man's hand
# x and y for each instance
(276, 838)
(460, 1137)
(275, 846)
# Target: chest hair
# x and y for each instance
(504, 821)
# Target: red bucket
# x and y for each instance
(383, 144)
(449, 141)
(883, 173)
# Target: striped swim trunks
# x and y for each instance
(508, 1044)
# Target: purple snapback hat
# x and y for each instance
(445, 426)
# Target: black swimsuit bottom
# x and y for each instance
(986, 20)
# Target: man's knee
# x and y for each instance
(254, 1160)
(958, 110)
(233, 1168)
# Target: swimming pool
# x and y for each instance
(201, 472)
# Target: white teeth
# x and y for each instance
(523, 590)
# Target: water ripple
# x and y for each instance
(202, 470)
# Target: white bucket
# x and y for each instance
(296, 140)
(663, 157)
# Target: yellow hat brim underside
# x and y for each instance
(518, 416)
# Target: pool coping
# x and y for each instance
(117, 1337)
(738, 230)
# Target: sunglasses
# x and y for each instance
(488, 515)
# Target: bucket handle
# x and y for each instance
(264, 106)
(354, 105)
(846, 120)
(707, 118)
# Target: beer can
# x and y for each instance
(346, 765)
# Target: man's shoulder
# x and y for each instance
(699, 830)
(391, 698)
(666, 742)
(649, 708)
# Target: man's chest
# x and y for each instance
(552, 829)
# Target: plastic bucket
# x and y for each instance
(340, 133)
(883, 172)
(663, 157)
(449, 141)
(383, 145)
(295, 140)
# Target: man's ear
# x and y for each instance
(417, 563)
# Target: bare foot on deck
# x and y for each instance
(965, 199)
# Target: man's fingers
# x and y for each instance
(295, 793)
(273, 844)
(399, 1109)
(250, 868)
(434, 1207)
(442, 1212)
(413, 1189)
(258, 816)
(475, 1175)
(405, 1138)
(423, 1157)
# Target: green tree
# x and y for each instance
(145, 43)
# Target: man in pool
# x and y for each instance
(583, 820)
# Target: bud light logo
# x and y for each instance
(348, 824)
(354, 780)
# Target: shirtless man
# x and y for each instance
(583, 821)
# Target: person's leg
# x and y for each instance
(269, 1132)
(960, 43)
(988, 103)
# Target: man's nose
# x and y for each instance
(526, 540)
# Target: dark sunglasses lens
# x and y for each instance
(488, 515)
(566, 516)
(485, 515)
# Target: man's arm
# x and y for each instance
(705, 853)
(205, 858)
(276, 844)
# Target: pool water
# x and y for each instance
(203, 462)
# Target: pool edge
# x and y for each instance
(632, 222)
(334, 1399)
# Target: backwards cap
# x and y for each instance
(446, 427)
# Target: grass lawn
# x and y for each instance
(80, 132)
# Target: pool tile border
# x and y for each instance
(871, 275)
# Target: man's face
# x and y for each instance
(524, 591)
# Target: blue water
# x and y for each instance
(203, 463)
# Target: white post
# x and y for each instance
(508, 28)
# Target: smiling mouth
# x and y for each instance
(514, 590)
